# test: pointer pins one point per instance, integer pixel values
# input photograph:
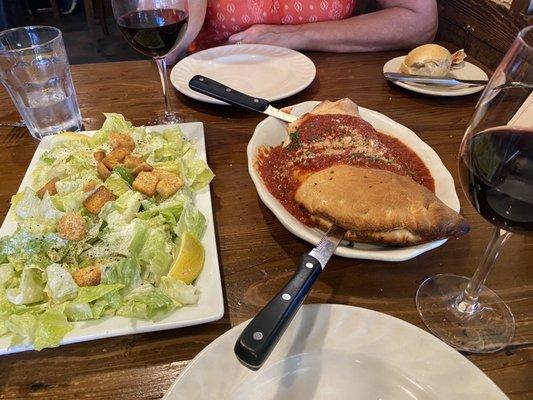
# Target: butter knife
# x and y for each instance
(396, 76)
(217, 90)
(261, 335)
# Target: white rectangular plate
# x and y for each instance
(210, 306)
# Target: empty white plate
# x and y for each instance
(268, 72)
(338, 352)
(467, 71)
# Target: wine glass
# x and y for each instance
(156, 28)
(496, 171)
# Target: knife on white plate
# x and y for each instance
(217, 90)
(260, 336)
(450, 81)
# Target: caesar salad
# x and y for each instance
(107, 227)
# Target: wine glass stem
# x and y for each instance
(468, 301)
(162, 68)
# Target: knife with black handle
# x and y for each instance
(260, 336)
(219, 91)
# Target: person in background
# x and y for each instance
(322, 25)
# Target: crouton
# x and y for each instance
(49, 187)
(169, 183)
(132, 162)
(124, 140)
(161, 173)
(115, 157)
(91, 185)
(96, 200)
(88, 276)
(99, 155)
(146, 183)
(72, 226)
(102, 170)
(143, 167)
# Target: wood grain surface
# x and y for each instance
(257, 255)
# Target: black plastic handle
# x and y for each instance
(222, 92)
(263, 332)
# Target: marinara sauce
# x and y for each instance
(325, 140)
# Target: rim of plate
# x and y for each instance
(461, 364)
(444, 187)
(390, 67)
(185, 69)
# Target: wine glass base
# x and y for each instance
(165, 118)
(488, 328)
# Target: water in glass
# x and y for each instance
(35, 71)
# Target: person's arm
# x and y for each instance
(400, 24)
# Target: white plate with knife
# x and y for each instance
(338, 352)
(452, 85)
(270, 72)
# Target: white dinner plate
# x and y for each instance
(339, 352)
(271, 132)
(210, 306)
(467, 71)
(268, 72)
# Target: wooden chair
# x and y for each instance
(55, 10)
(90, 8)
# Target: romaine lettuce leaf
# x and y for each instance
(88, 294)
(156, 255)
(52, 326)
(112, 123)
(7, 273)
(36, 215)
(64, 160)
(197, 172)
(191, 220)
(30, 289)
(60, 285)
(22, 326)
(78, 311)
(179, 291)
(116, 184)
(126, 272)
(146, 302)
(128, 204)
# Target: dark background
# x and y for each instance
(83, 45)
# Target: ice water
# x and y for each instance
(49, 111)
(34, 69)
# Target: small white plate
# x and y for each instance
(210, 306)
(271, 132)
(268, 72)
(467, 71)
(338, 352)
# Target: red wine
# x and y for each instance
(153, 32)
(496, 169)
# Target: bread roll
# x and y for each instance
(429, 60)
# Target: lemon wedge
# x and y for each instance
(190, 260)
(73, 136)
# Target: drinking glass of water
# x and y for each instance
(35, 71)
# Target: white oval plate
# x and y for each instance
(272, 132)
(268, 72)
(339, 352)
(468, 71)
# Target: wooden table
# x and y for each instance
(257, 255)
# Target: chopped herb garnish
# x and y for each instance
(295, 140)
